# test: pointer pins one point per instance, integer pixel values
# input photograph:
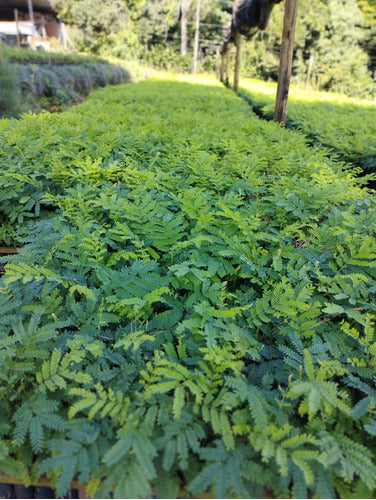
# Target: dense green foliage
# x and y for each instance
(27, 56)
(346, 126)
(130, 28)
(328, 48)
(331, 38)
(60, 85)
(368, 8)
(31, 80)
(194, 303)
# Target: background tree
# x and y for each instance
(341, 63)
(368, 8)
(92, 23)
(184, 13)
(331, 39)
(328, 43)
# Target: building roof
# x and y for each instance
(7, 7)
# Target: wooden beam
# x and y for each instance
(8, 250)
(238, 42)
(285, 65)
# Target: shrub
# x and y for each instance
(193, 306)
(58, 85)
(27, 56)
(168, 59)
(347, 126)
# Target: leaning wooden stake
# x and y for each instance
(238, 42)
(285, 65)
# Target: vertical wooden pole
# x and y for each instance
(285, 65)
(31, 16)
(17, 28)
(238, 42)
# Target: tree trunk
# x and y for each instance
(197, 37)
(309, 72)
(218, 65)
(185, 4)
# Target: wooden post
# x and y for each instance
(17, 27)
(31, 16)
(285, 65)
(222, 68)
(238, 42)
(228, 61)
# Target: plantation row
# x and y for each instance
(193, 306)
(31, 80)
(27, 56)
(347, 126)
